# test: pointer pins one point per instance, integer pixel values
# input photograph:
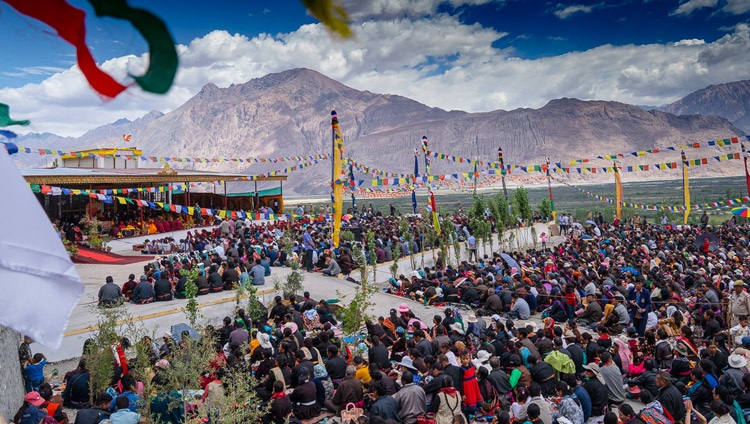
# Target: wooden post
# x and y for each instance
(256, 198)
(225, 195)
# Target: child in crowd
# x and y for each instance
(35, 370)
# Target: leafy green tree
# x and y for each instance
(294, 279)
(521, 204)
(354, 314)
(499, 209)
(545, 208)
(477, 208)
(396, 256)
(192, 313)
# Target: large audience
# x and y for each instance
(618, 322)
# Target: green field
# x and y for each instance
(570, 200)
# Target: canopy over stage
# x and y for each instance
(64, 191)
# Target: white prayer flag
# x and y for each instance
(39, 283)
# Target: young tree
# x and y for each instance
(192, 313)
(477, 208)
(545, 208)
(396, 249)
(354, 314)
(293, 282)
(521, 204)
(500, 211)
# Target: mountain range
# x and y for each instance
(288, 114)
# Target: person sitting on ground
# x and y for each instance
(384, 406)
(97, 413)
(230, 277)
(258, 272)
(281, 406)
(214, 280)
(124, 413)
(349, 391)
(110, 294)
(143, 293)
(204, 287)
(163, 288)
(129, 286)
(332, 267)
(76, 393)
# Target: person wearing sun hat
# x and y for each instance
(596, 388)
(732, 377)
(457, 332)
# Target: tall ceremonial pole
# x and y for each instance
(747, 174)
(685, 188)
(549, 186)
(475, 175)
(337, 176)
(501, 166)
(618, 190)
(432, 204)
(352, 183)
(414, 182)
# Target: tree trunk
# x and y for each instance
(11, 381)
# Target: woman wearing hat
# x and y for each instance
(595, 387)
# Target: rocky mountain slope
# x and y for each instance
(287, 114)
(730, 101)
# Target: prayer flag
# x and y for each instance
(685, 188)
(36, 269)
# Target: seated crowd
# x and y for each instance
(628, 311)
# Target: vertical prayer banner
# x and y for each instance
(685, 188)
(618, 192)
(416, 175)
(435, 220)
(337, 171)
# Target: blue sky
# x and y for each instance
(474, 55)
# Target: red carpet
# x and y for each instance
(89, 256)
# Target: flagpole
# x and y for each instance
(352, 183)
(549, 187)
(618, 190)
(475, 176)
(414, 182)
(685, 188)
(337, 176)
(747, 174)
(501, 165)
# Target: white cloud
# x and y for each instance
(736, 7)
(564, 12)
(360, 11)
(439, 61)
(691, 6)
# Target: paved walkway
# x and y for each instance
(158, 317)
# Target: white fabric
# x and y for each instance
(40, 285)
